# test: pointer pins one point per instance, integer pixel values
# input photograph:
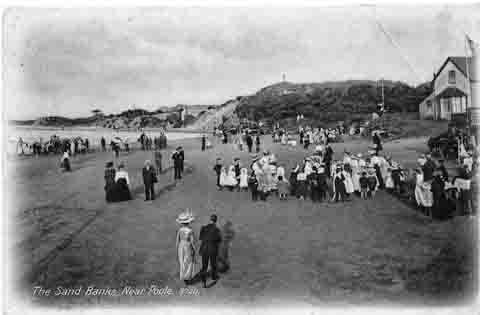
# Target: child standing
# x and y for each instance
(243, 185)
(372, 183)
(339, 185)
(283, 188)
(218, 169)
(364, 185)
(223, 177)
(301, 185)
(253, 184)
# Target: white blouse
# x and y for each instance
(122, 174)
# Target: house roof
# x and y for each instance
(461, 64)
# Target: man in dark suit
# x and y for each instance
(149, 179)
(210, 237)
(177, 164)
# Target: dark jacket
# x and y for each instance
(249, 140)
(217, 168)
(428, 169)
(149, 176)
(364, 182)
(177, 159)
(210, 237)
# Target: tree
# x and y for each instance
(97, 112)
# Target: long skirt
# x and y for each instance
(423, 196)
(186, 260)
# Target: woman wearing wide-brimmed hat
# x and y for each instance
(186, 247)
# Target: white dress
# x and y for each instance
(244, 180)
(231, 180)
(223, 178)
(423, 194)
(348, 183)
(186, 252)
(389, 180)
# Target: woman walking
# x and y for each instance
(185, 244)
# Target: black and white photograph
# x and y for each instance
(256, 158)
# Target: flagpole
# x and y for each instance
(469, 97)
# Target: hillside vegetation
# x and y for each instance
(329, 101)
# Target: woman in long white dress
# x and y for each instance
(243, 178)
(223, 176)
(186, 247)
(231, 180)
(423, 194)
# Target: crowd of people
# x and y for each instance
(55, 145)
(321, 178)
(117, 183)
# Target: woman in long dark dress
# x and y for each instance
(109, 181)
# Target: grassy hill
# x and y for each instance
(329, 101)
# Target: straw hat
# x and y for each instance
(185, 217)
(359, 155)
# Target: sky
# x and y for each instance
(70, 61)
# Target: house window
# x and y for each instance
(429, 105)
(451, 77)
(449, 105)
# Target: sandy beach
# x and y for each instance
(293, 252)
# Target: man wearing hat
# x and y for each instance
(428, 168)
(210, 237)
(177, 164)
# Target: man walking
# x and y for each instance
(177, 164)
(157, 157)
(249, 141)
(210, 237)
(204, 140)
(103, 144)
(149, 180)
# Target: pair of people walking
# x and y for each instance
(214, 248)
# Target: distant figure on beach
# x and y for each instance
(109, 177)
(377, 142)
(20, 144)
(210, 237)
(157, 157)
(103, 143)
(177, 164)
(204, 140)
(257, 143)
(65, 162)
(218, 168)
(225, 137)
(186, 247)
(149, 179)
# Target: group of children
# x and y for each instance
(312, 179)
